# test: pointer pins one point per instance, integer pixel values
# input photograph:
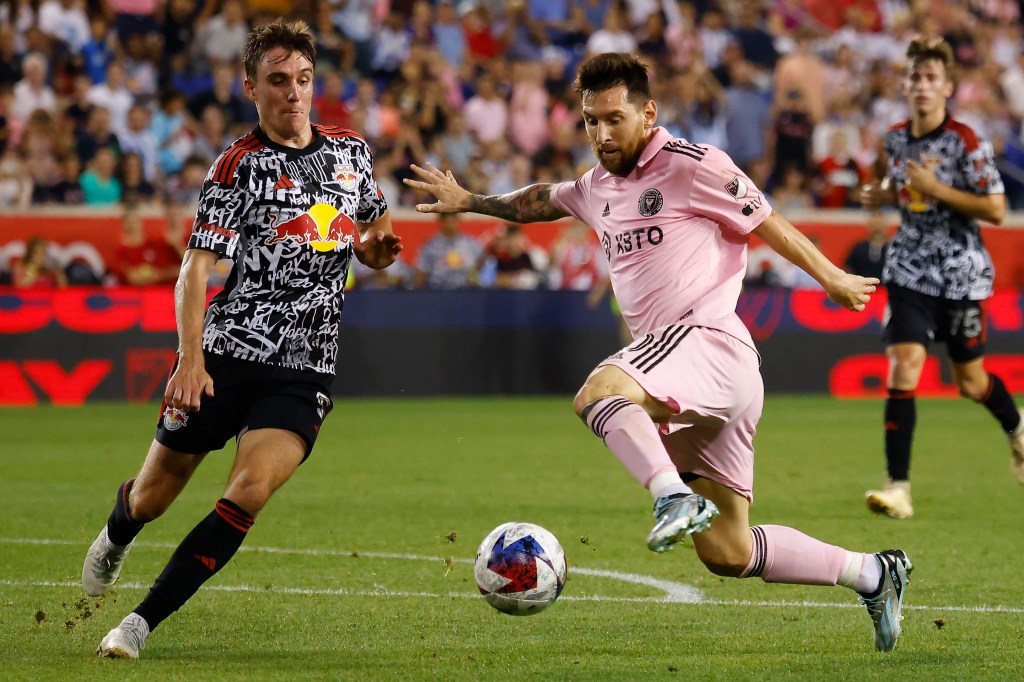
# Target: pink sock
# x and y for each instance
(785, 555)
(631, 436)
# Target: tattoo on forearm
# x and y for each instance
(527, 205)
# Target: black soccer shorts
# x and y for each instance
(248, 395)
(913, 317)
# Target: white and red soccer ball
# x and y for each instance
(520, 568)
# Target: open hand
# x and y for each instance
(451, 197)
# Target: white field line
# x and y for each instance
(675, 593)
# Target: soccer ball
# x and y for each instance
(520, 568)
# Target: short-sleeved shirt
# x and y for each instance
(674, 232)
(937, 250)
(287, 218)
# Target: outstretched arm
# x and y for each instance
(527, 205)
(850, 291)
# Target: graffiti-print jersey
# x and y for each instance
(937, 250)
(287, 219)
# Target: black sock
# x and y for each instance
(121, 527)
(205, 550)
(900, 419)
(1001, 405)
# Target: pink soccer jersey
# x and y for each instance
(675, 232)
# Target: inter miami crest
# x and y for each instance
(650, 202)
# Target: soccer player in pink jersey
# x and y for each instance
(679, 406)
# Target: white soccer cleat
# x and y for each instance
(893, 500)
(102, 564)
(126, 640)
(1017, 449)
(678, 516)
(886, 604)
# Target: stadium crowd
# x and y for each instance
(107, 102)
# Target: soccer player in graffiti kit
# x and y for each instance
(292, 203)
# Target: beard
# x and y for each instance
(620, 163)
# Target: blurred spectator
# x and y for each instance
(398, 275)
(134, 16)
(141, 260)
(486, 113)
(237, 112)
(137, 138)
(10, 65)
(36, 269)
(329, 107)
(32, 92)
(212, 135)
(15, 181)
(41, 143)
(220, 40)
(748, 117)
(141, 74)
(577, 259)
(509, 255)
(528, 108)
(804, 71)
(365, 112)
(68, 190)
(184, 188)
(97, 53)
(758, 45)
(867, 258)
(77, 107)
(791, 193)
(391, 47)
(714, 36)
(97, 135)
(844, 116)
(481, 43)
(613, 36)
(457, 143)
(99, 184)
(170, 126)
(178, 27)
(839, 175)
(66, 21)
(135, 187)
(114, 96)
(450, 39)
(706, 122)
(792, 134)
(354, 18)
(449, 259)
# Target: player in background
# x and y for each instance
(284, 203)
(679, 406)
(937, 270)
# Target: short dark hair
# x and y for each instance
(924, 49)
(609, 69)
(293, 36)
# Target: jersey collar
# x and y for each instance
(315, 145)
(660, 138)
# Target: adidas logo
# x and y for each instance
(284, 183)
(607, 211)
(209, 562)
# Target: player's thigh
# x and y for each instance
(266, 459)
(163, 476)
(911, 324)
(726, 546)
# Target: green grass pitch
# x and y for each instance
(360, 568)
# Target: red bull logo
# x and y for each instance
(323, 227)
(347, 175)
(174, 418)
